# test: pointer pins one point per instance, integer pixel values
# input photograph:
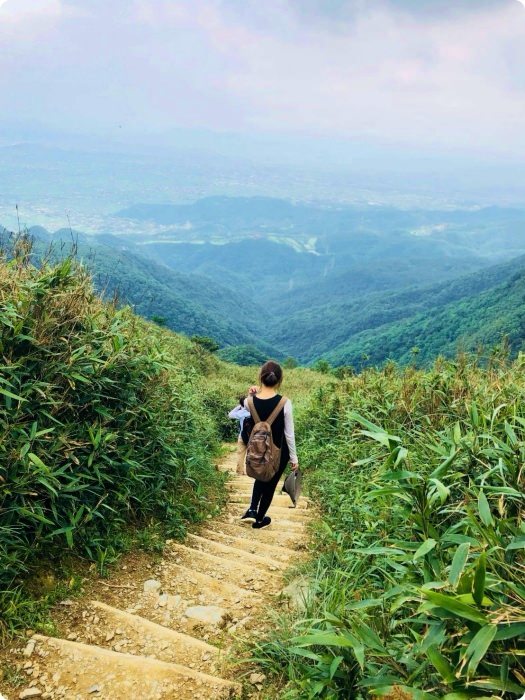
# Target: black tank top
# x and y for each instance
(264, 408)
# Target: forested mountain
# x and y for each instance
(295, 253)
(345, 283)
(186, 303)
(365, 320)
(354, 285)
(475, 321)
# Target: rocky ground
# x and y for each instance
(169, 628)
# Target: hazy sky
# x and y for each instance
(432, 73)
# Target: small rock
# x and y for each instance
(28, 651)
(66, 602)
(207, 614)
(109, 636)
(174, 601)
(163, 600)
(151, 586)
(93, 689)
(30, 693)
(298, 593)
(257, 678)
(72, 636)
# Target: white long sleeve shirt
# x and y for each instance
(239, 413)
(289, 431)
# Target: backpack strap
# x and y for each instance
(277, 410)
(252, 409)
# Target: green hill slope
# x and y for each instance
(104, 426)
(476, 320)
(188, 303)
(332, 328)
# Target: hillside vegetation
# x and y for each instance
(480, 320)
(102, 425)
(186, 303)
(418, 591)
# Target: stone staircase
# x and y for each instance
(170, 636)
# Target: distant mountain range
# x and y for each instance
(353, 285)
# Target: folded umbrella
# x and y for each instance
(292, 486)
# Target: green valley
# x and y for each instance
(351, 285)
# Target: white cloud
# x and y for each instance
(25, 9)
(385, 73)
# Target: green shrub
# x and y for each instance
(420, 587)
(205, 342)
(105, 424)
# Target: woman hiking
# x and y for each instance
(265, 401)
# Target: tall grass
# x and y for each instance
(420, 587)
(105, 425)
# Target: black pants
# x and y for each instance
(263, 492)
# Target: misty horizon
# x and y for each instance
(395, 102)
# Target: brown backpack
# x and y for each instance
(262, 455)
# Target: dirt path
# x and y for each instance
(171, 635)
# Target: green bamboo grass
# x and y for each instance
(419, 591)
(105, 426)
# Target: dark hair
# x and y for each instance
(242, 399)
(271, 374)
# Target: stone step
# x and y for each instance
(278, 500)
(191, 617)
(243, 575)
(191, 584)
(297, 514)
(112, 628)
(238, 479)
(282, 554)
(264, 560)
(231, 524)
(71, 670)
(283, 519)
(180, 588)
